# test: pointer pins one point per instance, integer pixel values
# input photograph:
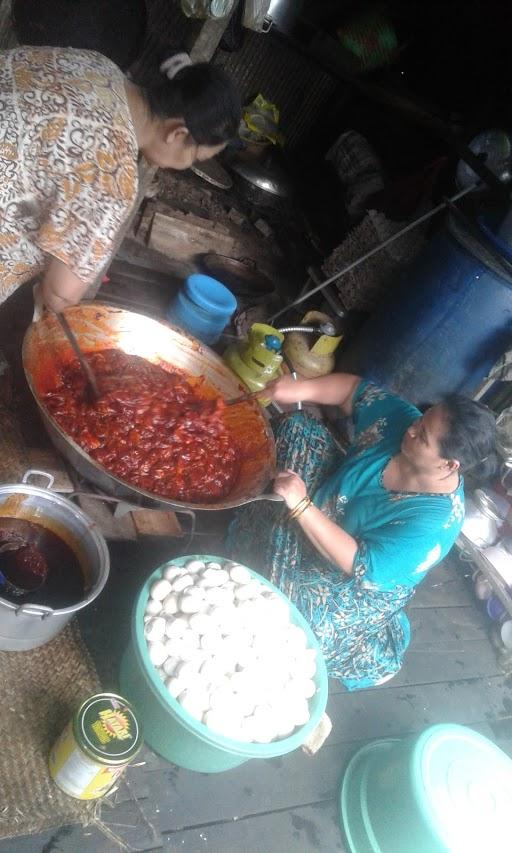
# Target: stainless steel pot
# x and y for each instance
(27, 626)
(98, 327)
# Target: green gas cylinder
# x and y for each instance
(257, 359)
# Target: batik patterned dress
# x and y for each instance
(68, 162)
(358, 619)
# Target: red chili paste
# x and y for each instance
(150, 427)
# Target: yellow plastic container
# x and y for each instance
(312, 357)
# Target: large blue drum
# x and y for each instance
(441, 329)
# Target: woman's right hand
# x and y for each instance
(60, 287)
(284, 390)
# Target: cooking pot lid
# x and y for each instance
(213, 173)
(271, 179)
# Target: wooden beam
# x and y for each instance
(184, 237)
(208, 39)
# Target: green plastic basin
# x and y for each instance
(176, 735)
(447, 790)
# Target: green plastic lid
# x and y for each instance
(463, 784)
(106, 729)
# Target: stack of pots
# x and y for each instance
(484, 526)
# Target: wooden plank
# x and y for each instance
(447, 644)
(191, 218)
(183, 239)
(156, 522)
(112, 528)
(394, 710)
(178, 799)
(436, 664)
(307, 829)
(244, 242)
(443, 587)
(452, 627)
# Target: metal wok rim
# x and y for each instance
(131, 493)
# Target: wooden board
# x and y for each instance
(304, 829)
(392, 711)
(443, 587)
(184, 237)
(449, 627)
(225, 238)
(156, 522)
(253, 788)
(111, 527)
(436, 665)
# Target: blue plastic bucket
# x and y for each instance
(446, 790)
(202, 307)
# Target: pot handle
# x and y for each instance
(268, 496)
(35, 472)
(34, 610)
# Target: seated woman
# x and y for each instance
(363, 530)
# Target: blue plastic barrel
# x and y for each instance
(440, 330)
(203, 307)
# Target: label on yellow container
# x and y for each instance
(95, 747)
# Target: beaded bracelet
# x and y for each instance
(300, 507)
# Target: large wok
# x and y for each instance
(97, 327)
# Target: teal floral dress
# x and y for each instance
(358, 618)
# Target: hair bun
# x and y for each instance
(174, 64)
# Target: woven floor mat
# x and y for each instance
(39, 691)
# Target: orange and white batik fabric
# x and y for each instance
(68, 162)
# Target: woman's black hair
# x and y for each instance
(204, 96)
(470, 436)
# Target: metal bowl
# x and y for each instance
(246, 282)
(98, 327)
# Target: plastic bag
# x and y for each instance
(254, 15)
(260, 122)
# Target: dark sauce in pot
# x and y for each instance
(43, 552)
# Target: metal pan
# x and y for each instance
(97, 327)
(247, 283)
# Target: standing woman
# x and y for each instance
(71, 129)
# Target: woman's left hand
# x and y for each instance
(291, 488)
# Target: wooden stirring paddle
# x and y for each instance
(243, 398)
(87, 370)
